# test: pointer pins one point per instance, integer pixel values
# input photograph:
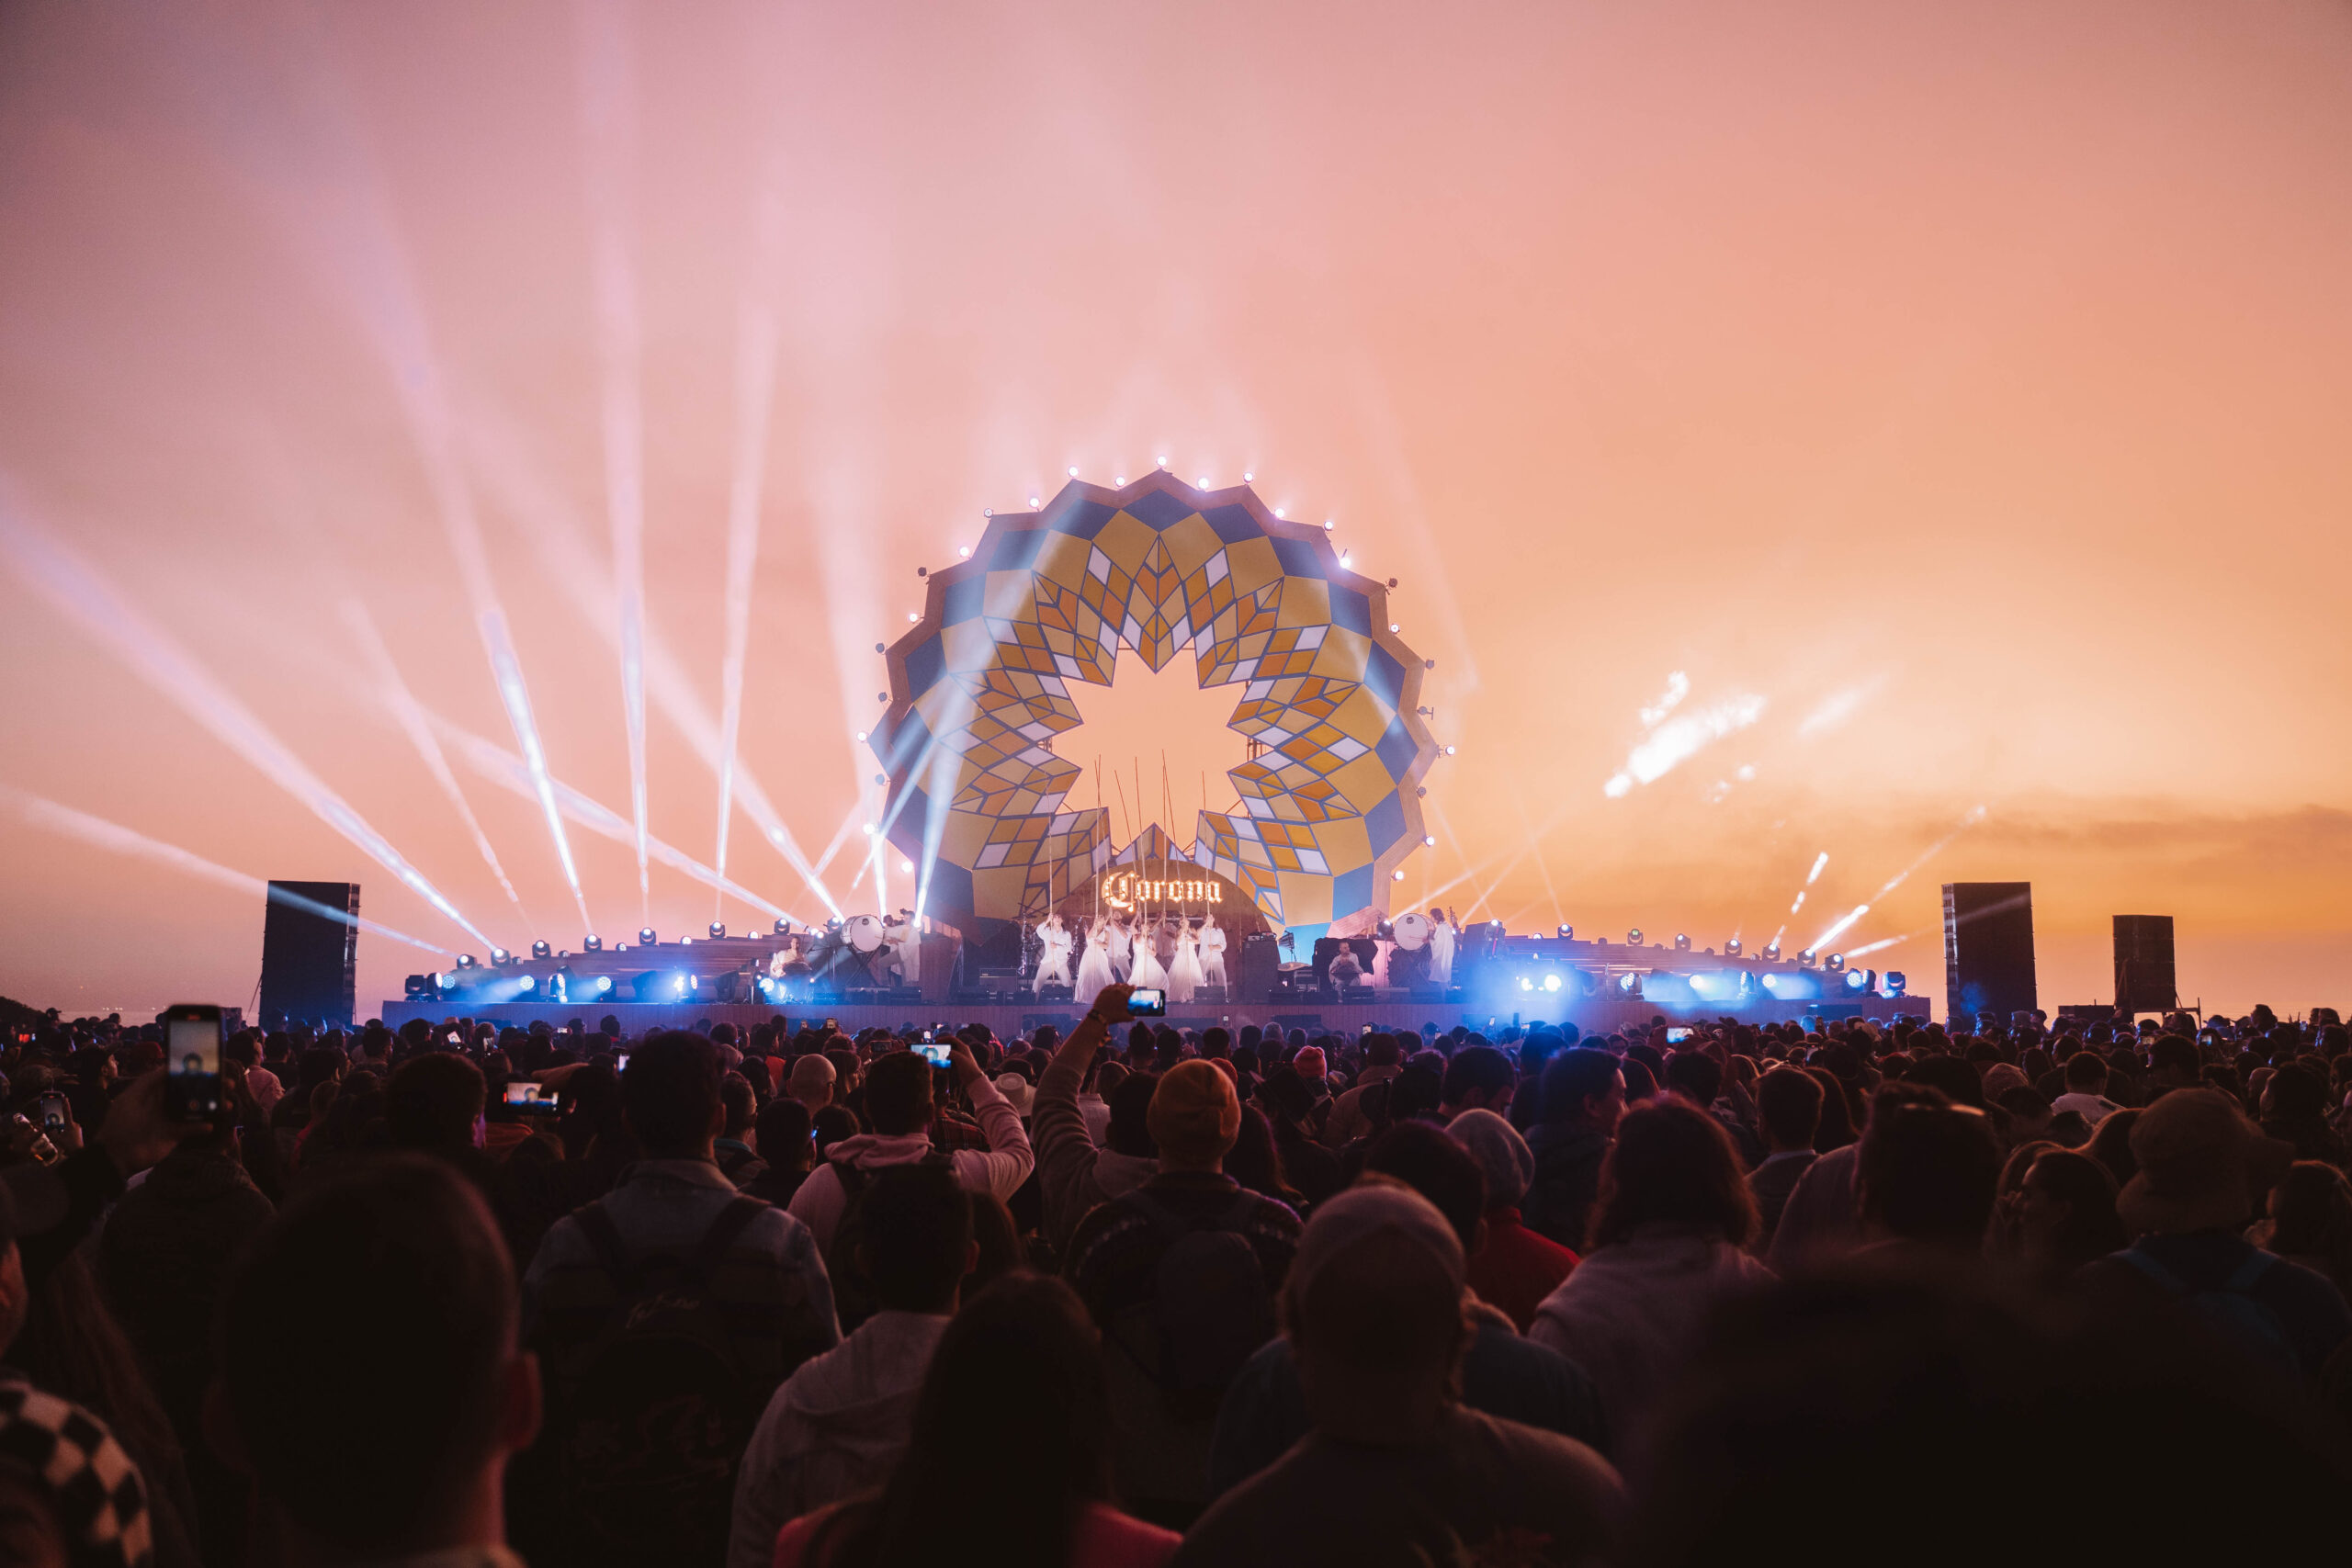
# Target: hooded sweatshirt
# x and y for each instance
(1000, 1168)
(1074, 1173)
(835, 1429)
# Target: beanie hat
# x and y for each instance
(1195, 1114)
(1501, 1152)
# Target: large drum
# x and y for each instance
(863, 933)
(1412, 931)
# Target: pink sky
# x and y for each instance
(1953, 396)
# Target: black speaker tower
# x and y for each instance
(1988, 950)
(310, 961)
(2143, 969)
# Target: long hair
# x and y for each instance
(1256, 1160)
(1019, 1372)
(1672, 1164)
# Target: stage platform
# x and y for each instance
(1593, 1015)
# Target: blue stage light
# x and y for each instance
(604, 984)
(1525, 984)
(1858, 980)
(528, 983)
(1896, 982)
(592, 945)
(1552, 982)
(1771, 982)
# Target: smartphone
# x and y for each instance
(536, 1099)
(1676, 1036)
(1148, 1002)
(192, 1057)
(930, 1051)
(620, 1061)
(455, 1038)
(54, 1113)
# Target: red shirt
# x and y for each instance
(1517, 1269)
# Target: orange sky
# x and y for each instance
(1952, 395)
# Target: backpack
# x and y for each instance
(1209, 1310)
(658, 1405)
(854, 1299)
(2231, 1311)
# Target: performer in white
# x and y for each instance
(1094, 970)
(1211, 953)
(1148, 971)
(1053, 964)
(903, 949)
(1184, 975)
(1384, 945)
(1442, 930)
(1122, 947)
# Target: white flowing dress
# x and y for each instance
(1148, 972)
(1122, 949)
(1184, 976)
(1094, 967)
(1441, 952)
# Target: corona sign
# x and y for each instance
(1124, 890)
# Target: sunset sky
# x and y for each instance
(1950, 400)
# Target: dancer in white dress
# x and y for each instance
(1441, 934)
(1148, 972)
(1184, 975)
(1052, 962)
(1094, 965)
(1211, 953)
(1122, 947)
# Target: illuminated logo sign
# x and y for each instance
(1126, 890)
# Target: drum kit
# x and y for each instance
(1412, 931)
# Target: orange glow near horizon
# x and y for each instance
(1828, 420)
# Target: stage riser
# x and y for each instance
(1591, 1015)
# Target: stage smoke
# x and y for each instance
(76, 590)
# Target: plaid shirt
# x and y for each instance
(100, 1502)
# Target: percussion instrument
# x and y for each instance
(1412, 931)
(863, 933)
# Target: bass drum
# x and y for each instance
(863, 933)
(1412, 931)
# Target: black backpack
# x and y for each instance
(658, 1405)
(1210, 1310)
(854, 1299)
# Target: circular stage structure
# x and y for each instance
(980, 694)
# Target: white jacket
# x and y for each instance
(835, 1429)
(1631, 1313)
(1000, 1168)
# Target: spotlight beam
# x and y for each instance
(504, 769)
(608, 138)
(403, 704)
(756, 332)
(81, 594)
(555, 533)
(128, 841)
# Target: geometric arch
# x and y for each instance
(979, 693)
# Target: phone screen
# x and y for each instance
(620, 1061)
(192, 1053)
(52, 1113)
(932, 1051)
(1146, 1002)
(525, 1095)
(1676, 1036)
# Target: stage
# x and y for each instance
(1591, 1015)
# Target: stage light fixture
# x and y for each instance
(913, 617)
(1807, 957)
(964, 550)
(1771, 953)
(528, 982)
(1399, 877)
(1346, 561)
(499, 955)
(1634, 937)
(1073, 472)
(1429, 840)
(645, 937)
(1033, 501)
(718, 929)
(869, 828)
(861, 735)
(1682, 942)
(1525, 984)
(1448, 751)
(1392, 628)
(1278, 512)
(1552, 982)
(1732, 948)
(1896, 982)
(1327, 524)
(592, 945)
(467, 961)
(1858, 980)
(1630, 984)
(678, 986)
(1771, 982)
(604, 984)
(783, 926)
(1564, 932)
(907, 867)
(1835, 962)
(540, 949)
(1249, 477)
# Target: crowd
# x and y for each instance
(458, 1295)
